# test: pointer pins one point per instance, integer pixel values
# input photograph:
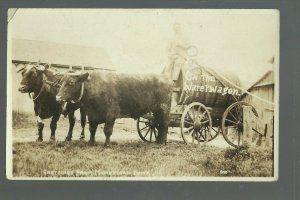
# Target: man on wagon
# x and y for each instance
(178, 57)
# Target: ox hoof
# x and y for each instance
(82, 137)
(92, 142)
(107, 145)
(52, 139)
(68, 139)
(39, 139)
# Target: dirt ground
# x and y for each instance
(124, 130)
(128, 155)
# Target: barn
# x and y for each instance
(263, 89)
(60, 56)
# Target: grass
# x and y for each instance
(22, 120)
(134, 158)
(129, 158)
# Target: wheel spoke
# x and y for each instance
(204, 137)
(155, 133)
(190, 128)
(143, 121)
(233, 116)
(214, 130)
(203, 114)
(151, 135)
(198, 137)
(190, 116)
(234, 126)
(144, 127)
(204, 122)
(193, 137)
(210, 136)
(193, 113)
(199, 108)
(147, 132)
(203, 134)
(231, 121)
(190, 123)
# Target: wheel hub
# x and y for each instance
(197, 125)
(151, 124)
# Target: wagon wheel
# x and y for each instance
(147, 128)
(213, 134)
(233, 124)
(196, 124)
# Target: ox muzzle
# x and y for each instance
(23, 88)
(63, 105)
(59, 99)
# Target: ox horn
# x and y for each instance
(47, 66)
(20, 67)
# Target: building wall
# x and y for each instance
(265, 92)
(265, 111)
(49, 52)
(20, 101)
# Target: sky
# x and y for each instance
(137, 41)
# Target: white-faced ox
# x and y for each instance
(108, 96)
(44, 84)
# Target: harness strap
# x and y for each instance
(54, 84)
(81, 94)
(40, 92)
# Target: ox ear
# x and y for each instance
(84, 76)
(47, 66)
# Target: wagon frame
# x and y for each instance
(200, 123)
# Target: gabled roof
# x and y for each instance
(63, 54)
(266, 79)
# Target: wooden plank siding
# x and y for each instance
(60, 56)
(265, 112)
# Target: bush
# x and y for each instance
(239, 154)
(245, 161)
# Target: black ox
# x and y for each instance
(44, 84)
(107, 96)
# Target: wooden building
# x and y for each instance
(60, 56)
(263, 88)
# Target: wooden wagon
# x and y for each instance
(206, 103)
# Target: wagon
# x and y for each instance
(206, 103)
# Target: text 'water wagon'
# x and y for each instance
(205, 103)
